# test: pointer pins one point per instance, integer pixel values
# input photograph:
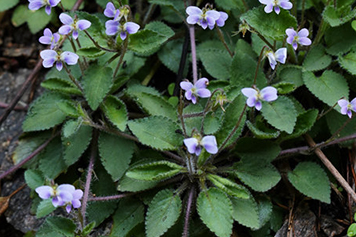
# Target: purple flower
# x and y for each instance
(254, 97)
(198, 89)
(347, 107)
(195, 144)
(204, 17)
(270, 4)
(111, 12)
(279, 56)
(50, 57)
(76, 196)
(295, 38)
(37, 4)
(113, 27)
(223, 17)
(49, 38)
(71, 25)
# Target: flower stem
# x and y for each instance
(124, 48)
(97, 45)
(258, 65)
(72, 78)
(84, 59)
(222, 39)
(109, 198)
(187, 213)
(194, 53)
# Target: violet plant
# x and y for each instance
(167, 154)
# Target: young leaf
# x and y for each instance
(163, 212)
(259, 133)
(228, 186)
(134, 185)
(265, 210)
(75, 145)
(5, 5)
(43, 113)
(61, 85)
(115, 154)
(338, 16)
(44, 208)
(157, 132)
(272, 26)
(311, 180)
(34, 178)
(245, 212)
(329, 88)
(316, 59)
(88, 228)
(348, 62)
(97, 82)
(280, 113)
(291, 74)
(115, 110)
(154, 171)
(215, 210)
(128, 215)
(62, 225)
(71, 127)
(91, 52)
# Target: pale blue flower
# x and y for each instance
(255, 96)
(347, 107)
(276, 4)
(301, 37)
(279, 56)
(51, 56)
(195, 144)
(205, 18)
(37, 4)
(49, 38)
(113, 27)
(72, 25)
(198, 89)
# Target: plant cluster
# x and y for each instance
(207, 150)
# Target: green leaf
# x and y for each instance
(136, 89)
(259, 133)
(46, 230)
(316, 59)
(91, 52)
(338, 16)
(284, 87)
(155, 105)
(71, 127)
(133, 185)
(150, 39)
(265, 209)
(36, 20)
(245, 212)
(171, 3)
(256, 149)
(216, 60)
(335, 120)
(115, 154)
(154, 171)
(311, 180)
(115, 110)
(43, 113)
(228, 5)
(6, 4)
(340, 39)
(163, 212)
(44, 208)
(280, 113)
(62, 225)
(215, 210)
(242, 72)
(157, 132)
(88, 228)
(351, 231)
(291, 74)
(68, 108)
(348, 62)
(96, 84)
(272, 26)
(305, 122)
(228, 186)
(232, 115)
(60, 85)
(52, 155)
(34, 178)
(75, 145)
(128, 215)
(329, 88)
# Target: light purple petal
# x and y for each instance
(45, 40)
(131, 27)
(35, 5)
(258, 105)
(83, 24)
(221, 21)
(249, 92)
(69, 57)
(188, 95)
(192, 19)
(295, 45)
(277, 9)
(192, 10)
(304, 41)
(268, 8)
(203, 93)
(53, 3)
(65, 29)
(281, 55)
(191, 144)
(47, 32)
(290, 39)
(210, 144)
(75, 34)
(66, 19)
(47, 63)
(303, 33)
(194, 99)
(186, 85)
(123, 35)
(44, 192)
(272, 60)
(76, 203)
(213, 14)
(57, 201)
(203, 23)
(59, 65)
(110, 10)
(198, 150)
(343, 103)
(344, 110)
(251, 101)
(112, 27)
(265, 2)
(56, 37)
(210, 21)
(48, 53)
(291, 32)
(202, 83)
(77, 194)
(353, 104)
(269, 93)
(349, 113)
(286, 5)
(66, 187)
(66, 196)
(48, 10)
(68, 208)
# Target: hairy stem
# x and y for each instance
(110, 198)
(124, 48)
(97, 45)
(222, 39)
(194, 53)
(187, 213)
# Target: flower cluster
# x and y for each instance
(198, 89)
(347, 107)
(205, 17)
(62, 195)
(119, 25)
(195, 144)
(37, 4)
(276, 4)
(255, 96)
(301, 37)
